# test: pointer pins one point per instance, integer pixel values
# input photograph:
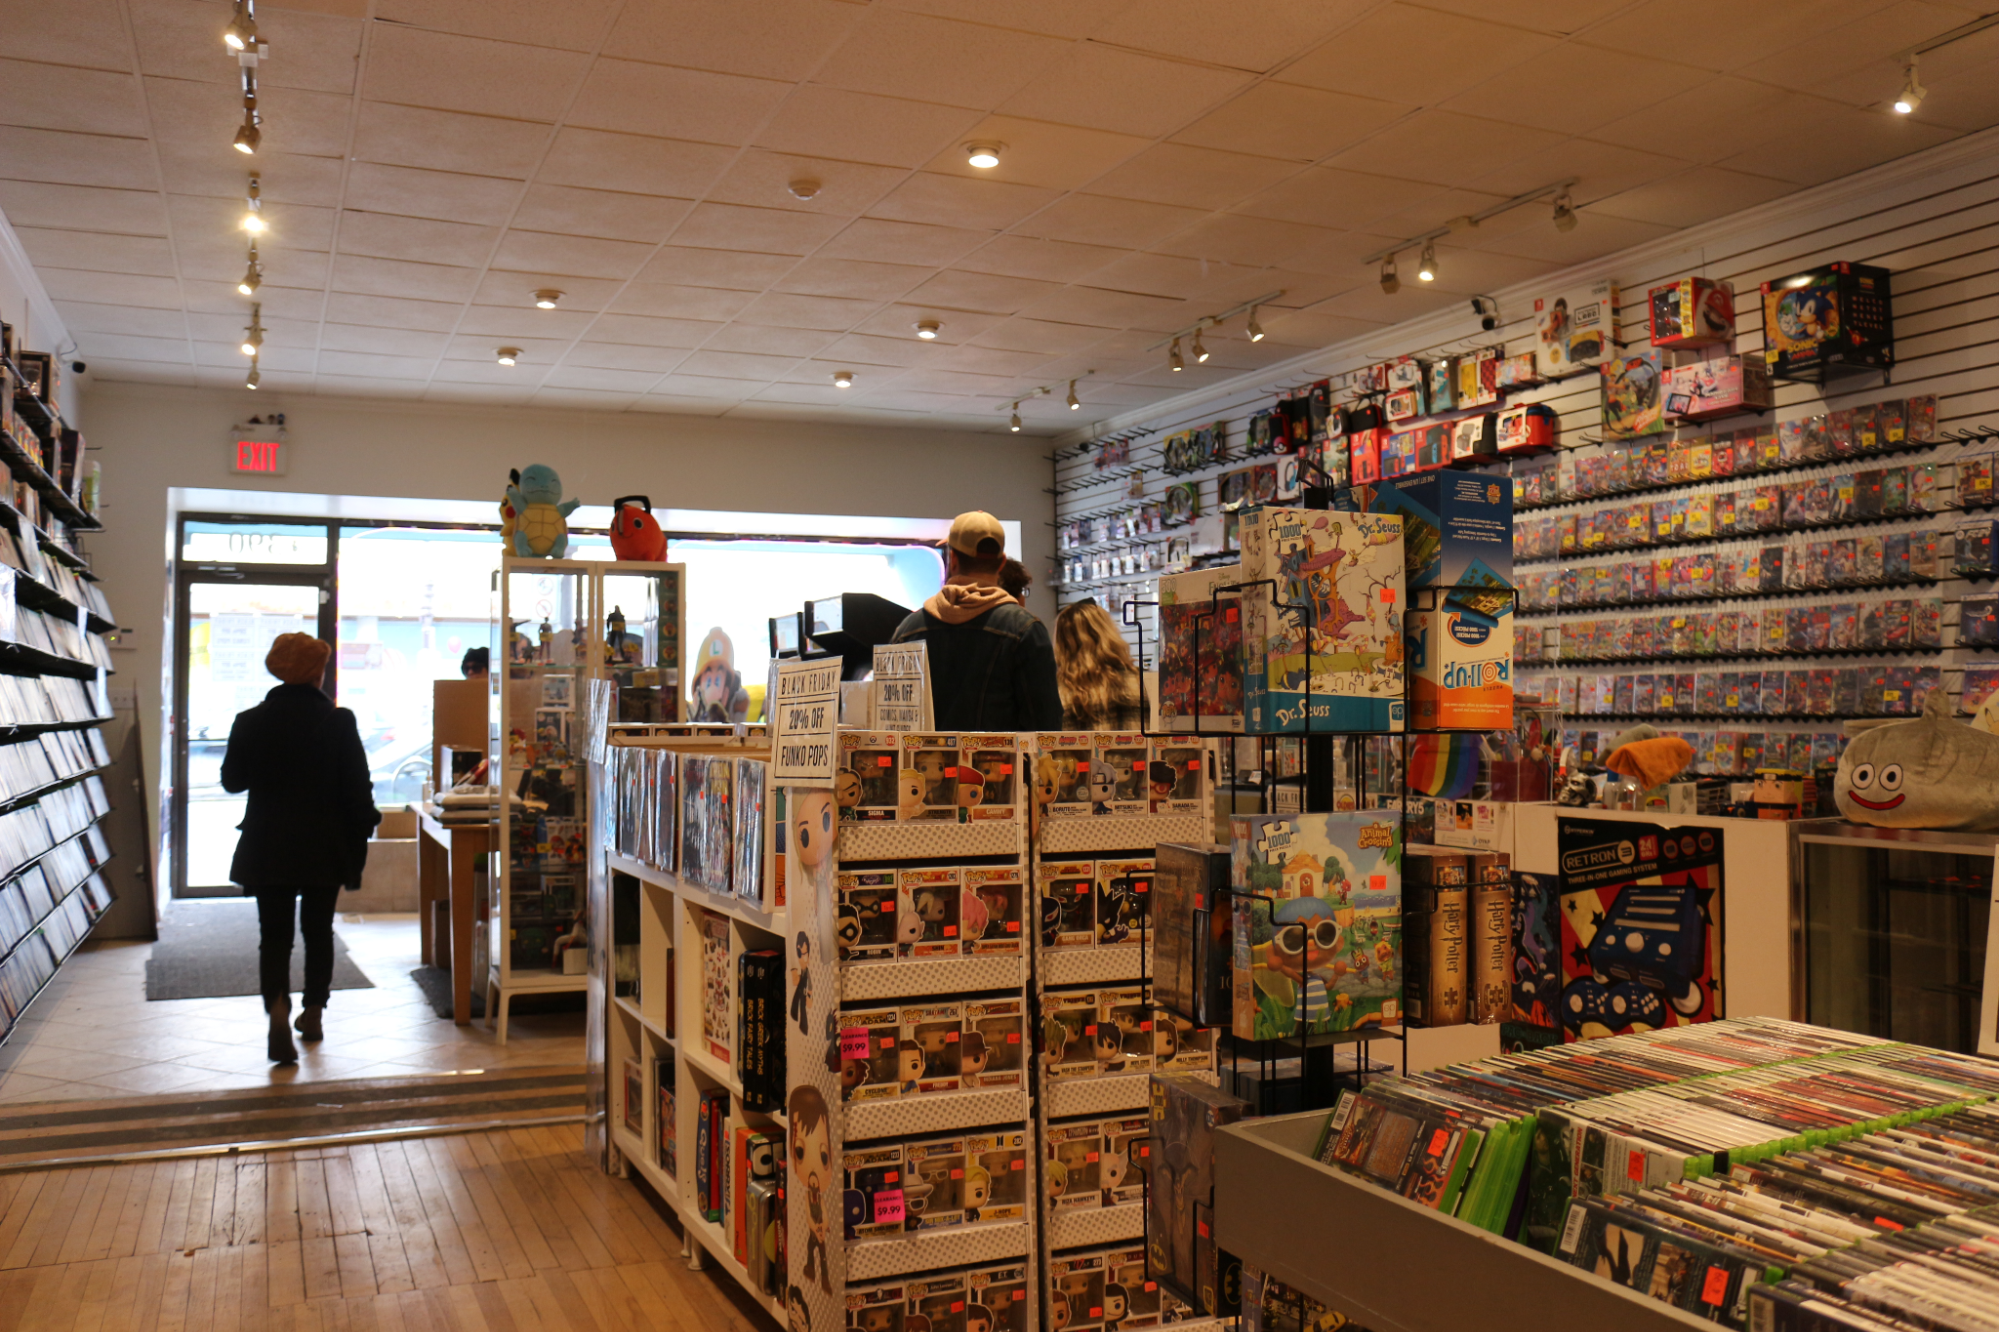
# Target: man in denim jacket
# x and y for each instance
(992, 667)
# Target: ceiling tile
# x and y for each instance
(504, 20)
(676, 405)
(77, 159)
(97, 251)
(391, 277)
(521, 322)
(984, 293)
(1174, 173)
(189, 168)
(651, 331)
(315, 51)
(1414, 54)
(1553, 18)
(1444, 147)
(90, 35)
(1162, 275)
(1661, 26)
(395, 342)
(1695, 195)
(141, 372)
(536, 353)
(655, 361)
(1845, 141)
(1619, 85)
(84, 208)
(1595, 235)
(961, 201)
(902, 242)
(450, 196)
(807, 312)
(62, 97)
(1030, 257)
(579, 256)
(425, 240)
(661, 298)
(635, 98)
(1337, 253)
(1257, 39)
(1051, 18)
(707, 386)
(771, 230)
(737, 365)
(1036, 152)
(1285, 120)
(853, 278)
(134, 347)
(763, 179)
(587, 400)
(594, 159)
(778, 39)
(602, 377)
(1046, 337)
(295, 307)
(989, 387)
(1819, 52)
(1315, 328)
(89, 317)
(289, 224)
(716, 268)
(1103, 88)
(413, 67)
(447, 141)
(295, 121)
(1234, 238)
(1323, 196)
(1600, 170)
(517, 378)
(1124, 223)
(899, 321)
(937, 59)
(1123, 310)
(393, 312)
(859, 127)
(768, 338)
(987, 360)
(516, 288)
(861, 349)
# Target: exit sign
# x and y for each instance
(263, 457)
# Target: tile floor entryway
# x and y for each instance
(94, 1034)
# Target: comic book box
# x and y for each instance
(1834, 320)
(1322, 621)
(1458, 547)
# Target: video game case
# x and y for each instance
(1190, 973)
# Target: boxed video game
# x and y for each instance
(931, 896)
(934, 762)
(1124, 759)
(1180, 1197)
(1831, 320)
(873, 1061)
(1692, 312)
(1328, 958)
(1124, 900)
(937, 1032)
(988, 785)
(1575, 329)
(1068, 904)
(866, 786)
(1200, 665)
(994, 1053)
(868, 925)
(1526, 429)
(1633, 401)
(1332, 634)
(1190, 968)
(1721, 387)
(991, 912)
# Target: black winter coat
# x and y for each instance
(312, 807)
(994, 672)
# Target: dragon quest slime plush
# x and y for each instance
(1929, 772)
(541, 522)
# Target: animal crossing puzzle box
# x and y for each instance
(1319, 948)
(1322, 620)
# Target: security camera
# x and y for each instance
(77, 367)
(1487, 310)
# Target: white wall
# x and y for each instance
(153, 439)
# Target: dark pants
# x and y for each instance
(277, 908)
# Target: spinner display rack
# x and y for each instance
(54, 668)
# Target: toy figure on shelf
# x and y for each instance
(635, 533)
(717, 690)
(1930, 772)
(541, 525)
(621, 647)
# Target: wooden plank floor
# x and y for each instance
(513, 1230)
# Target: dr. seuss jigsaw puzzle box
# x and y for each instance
(1325, 652)
(1320, 946)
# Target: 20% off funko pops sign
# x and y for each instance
(808, 713)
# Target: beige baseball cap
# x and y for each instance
(970, 531)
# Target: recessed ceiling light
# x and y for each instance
(843, 379)
(1073, 401)
(927, 329)
(983, 155)
(546, 298)
(803, 188)
(1426, 268)
(1255, 329)
(507, 356)
(1173, 358)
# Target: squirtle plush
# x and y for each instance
(541, 522)
(1929, 772)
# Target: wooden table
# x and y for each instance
(445, 853)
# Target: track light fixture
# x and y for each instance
(1255, 329)
(1200, 352)
(1173, 358)
(843, 379)
(1426, 267)
(250, 380)
(253, 276)
(241, 34)
(546, 298)
(253, 337)
(1073, 401)
(1013, 422)
(983, 155)
(1565, 212)
(928, 329)
(253, 214)
(1390, 283)
(248, 137)
(1912, 93)
(507, 356)
(1427, 262)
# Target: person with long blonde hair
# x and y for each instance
(1100, 686)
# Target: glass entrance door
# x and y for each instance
(227, 620)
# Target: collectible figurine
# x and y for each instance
(909, 1065)
(801, 984)
(717, 693)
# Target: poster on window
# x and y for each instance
(1641, 927)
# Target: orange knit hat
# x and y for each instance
(298, 659)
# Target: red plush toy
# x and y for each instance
(635, 533)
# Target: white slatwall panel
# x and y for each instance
(1932, 219)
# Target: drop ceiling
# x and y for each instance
(428, 164)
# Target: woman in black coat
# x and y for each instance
(305, 831)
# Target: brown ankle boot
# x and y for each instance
(308, 1026)
(280, 1049)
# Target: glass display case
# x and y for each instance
(1893, 923)
(642, 639)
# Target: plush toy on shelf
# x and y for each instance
(541, 522)
(1930, 772)
(635, 533)
(509, 515)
